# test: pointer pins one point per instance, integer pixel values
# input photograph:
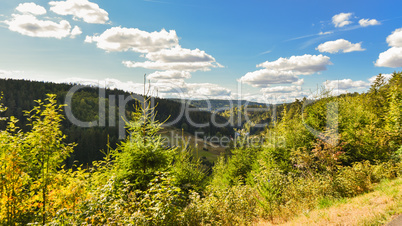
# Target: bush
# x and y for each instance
(235, 206)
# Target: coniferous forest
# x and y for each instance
(55, 173)
(20, 96)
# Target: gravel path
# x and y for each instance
(396, 221)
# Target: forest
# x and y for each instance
(327, 148)
(20, 96)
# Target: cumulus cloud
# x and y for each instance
(29, 25)
(342, 19)
(301, 65)
(31, 8)
(184, 66)
(118, 39)
(80, 9)
(169, 75)
(286, 70)
(299, 82)
(395, 39)
(176, 58)
(177, 87)
(161, 49)
(345, 84)
(368, 22)
(207, 90)
(76, 31)
(281, 89)
(265, 77)
(393, 56)
(178, 54)
(390, 58)
(339, 45)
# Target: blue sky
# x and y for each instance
(203, 49)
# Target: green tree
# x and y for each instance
(45, 145)
(142, 154)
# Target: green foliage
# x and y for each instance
(142, 153)
(394, 116)
(30, 163)
(316, 154)
(233, 206)
(161, 204)
(235, 169)
(13, 177)
(189, 173)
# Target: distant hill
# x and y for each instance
(219, 105)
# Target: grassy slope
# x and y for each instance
(378, 207)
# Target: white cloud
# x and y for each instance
(281, 94)
(31, 8)
(177, 58)
(29, 25)
(178, 54)
(395, 39)
(285, 97)
(88, 11)
(325, 33)
(162, 50)
(301, 65)
(390, 58)
(169, 87)
(368, 22)
(197, 90)
(337, 92)
(183, 66)
(286, 70)
(386, 76)
(124, 39)
(162, 88)
(281, 89)
(342, 19)
(345, 84)
(339, 45)
(169, 75)
(299, 82)
(393, 56)
(75, 32)
(5, 74)
(109, 83)
(179, 88)
(265, 77)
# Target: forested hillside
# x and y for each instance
(220, 105)
(20, 96)
(320, 151)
